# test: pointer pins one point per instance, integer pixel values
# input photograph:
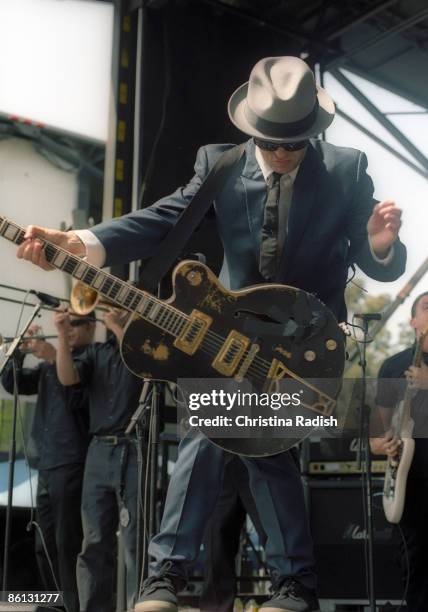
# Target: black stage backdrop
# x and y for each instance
(194, 57)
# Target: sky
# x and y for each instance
(392, 178)
(55, 67)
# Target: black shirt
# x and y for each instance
(390, 390)
(60, 425)
(113, 390)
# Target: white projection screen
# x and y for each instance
(55, 64)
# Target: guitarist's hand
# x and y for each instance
(32, 248)
(418, 377)
(383, 226)
(388, 445)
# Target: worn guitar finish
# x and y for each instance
(262, 334)
(245, 312)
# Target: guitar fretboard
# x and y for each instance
(145, 305)
(410, 391)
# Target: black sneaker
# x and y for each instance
(159, 595)
(292, 596)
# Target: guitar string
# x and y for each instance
(258, 366)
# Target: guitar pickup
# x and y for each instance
(193, 333)
(230, 354)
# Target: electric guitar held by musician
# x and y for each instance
(261, 334)
(397, 469)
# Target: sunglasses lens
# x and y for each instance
(266, 145)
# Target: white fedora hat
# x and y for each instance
(281, 102)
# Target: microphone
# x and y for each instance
(368, 316)
(48, 300)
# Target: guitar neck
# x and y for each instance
(410, 392)
(119, 292)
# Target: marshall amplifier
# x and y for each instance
(340, 540)
(334, 457)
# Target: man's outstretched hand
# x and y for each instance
(383, 227)
(32, 247)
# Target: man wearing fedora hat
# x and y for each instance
(292, 210)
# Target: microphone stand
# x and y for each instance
(11, 354)
(151, 457)
(133, 424)
(363, 456)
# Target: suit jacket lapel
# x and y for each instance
(305, 189)
(254, 192)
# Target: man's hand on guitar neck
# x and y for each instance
(388, 445)
(418, 377)
(32, 247)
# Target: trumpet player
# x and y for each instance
(60, 433)
(110, 484)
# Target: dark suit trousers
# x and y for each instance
(194, 490)
(222, 537)
(96, 565)
(58, 514)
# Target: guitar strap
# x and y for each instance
(190, 218)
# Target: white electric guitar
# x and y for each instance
(397, 470)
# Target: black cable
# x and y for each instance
(32, 522)
(45, 549)
(23, 304)
(355, 339)
(406, 554)
(363, 475)
(365, 527)
(145, 503)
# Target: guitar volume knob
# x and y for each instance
(194, 278)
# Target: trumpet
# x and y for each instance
(6, 340)
(84, 299)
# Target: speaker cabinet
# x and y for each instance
(340, 539)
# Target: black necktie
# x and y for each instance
(269, 241)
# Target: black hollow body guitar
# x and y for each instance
(261, 335)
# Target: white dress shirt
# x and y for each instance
(286, 183)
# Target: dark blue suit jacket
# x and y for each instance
(332, 202)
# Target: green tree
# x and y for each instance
(359, 300)
(406, 336)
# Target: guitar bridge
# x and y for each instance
(193, 333)
(230, 354)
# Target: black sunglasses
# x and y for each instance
(268, 145)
